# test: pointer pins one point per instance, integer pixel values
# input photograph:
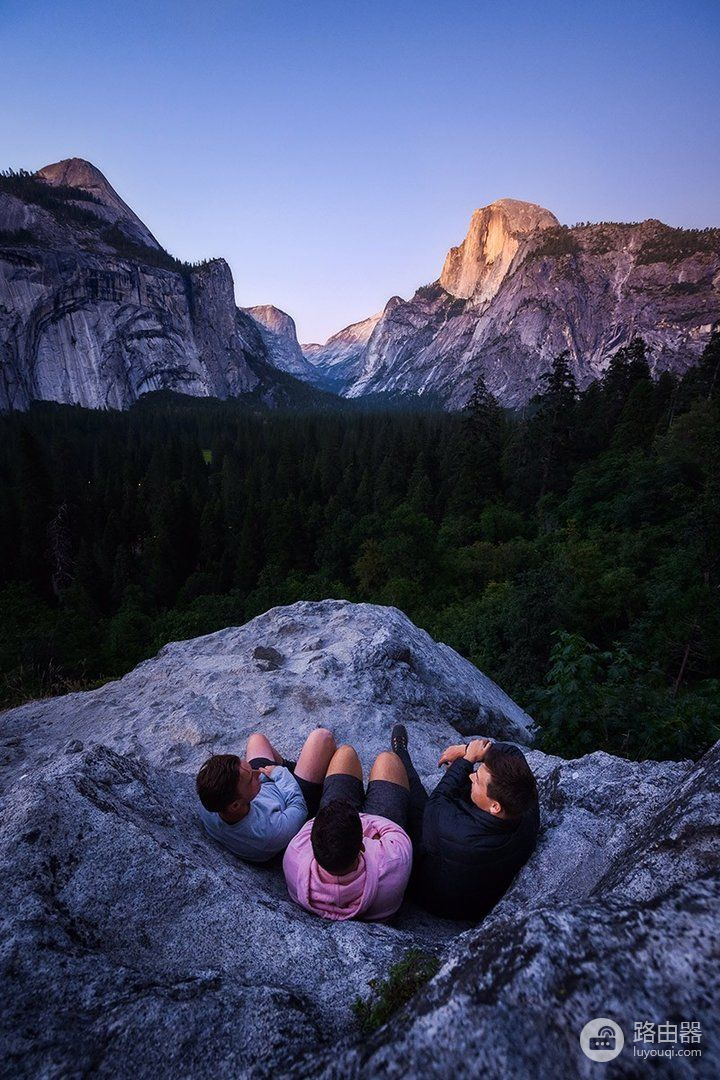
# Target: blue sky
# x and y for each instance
(333, 152)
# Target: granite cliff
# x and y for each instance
(340, 359)
(132, 946)
(522, 288)
(94, 312)
(277, 330)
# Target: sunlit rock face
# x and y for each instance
(134, 946)
(80, 174)
(521, 289)
(94, 313)
(497, 236)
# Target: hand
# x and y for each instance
(451, 754)
(477, 749)
(267, 769)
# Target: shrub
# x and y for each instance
(388, 995)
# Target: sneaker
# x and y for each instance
(399, 738)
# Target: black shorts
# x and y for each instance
(311, 792)
(383, 797)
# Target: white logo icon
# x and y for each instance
(602, 1039)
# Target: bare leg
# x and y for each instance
(345, 760)
(316, 755)
(259, 745)
(388, 766)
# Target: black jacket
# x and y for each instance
(466, 858)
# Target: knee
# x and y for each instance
(387, 759)
(323, 737)
(257, 735)
(347, 754)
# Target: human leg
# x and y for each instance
(312, 765)
(388, 766)
(259, 746)
(316, 756)
(343, 779)
(388, 793)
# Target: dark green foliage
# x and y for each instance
(671, 245)
(114, 236)
(388, 995)
(555, 243)
(572, 553)
(60, 201)
(592, 700)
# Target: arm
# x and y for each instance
(292, 814)
(454, 780)
(456, 777)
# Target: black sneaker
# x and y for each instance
(399, 738)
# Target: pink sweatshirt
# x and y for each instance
(374, 890)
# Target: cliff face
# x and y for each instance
(134, 946)
(106, 204)
(93, 312)
(497, 238)
(521, 289)
(340, 359)
(279, 335)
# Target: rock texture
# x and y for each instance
(279, 335)
(93, 312)
(132, 946)
(79, 174)
(339, 361)
(498, 236)
(520, 289)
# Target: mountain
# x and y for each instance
(520, 289)
(340, 358)
(94, 312)
(134, 946)
(277, 330)
(106, 203)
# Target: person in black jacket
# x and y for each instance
(475, 831)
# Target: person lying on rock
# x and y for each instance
(475, 831)
(255, 805)
(354, 860)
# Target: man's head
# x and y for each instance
(503, 784)
(337, 837)
(226, 785)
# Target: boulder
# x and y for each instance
(132, 945)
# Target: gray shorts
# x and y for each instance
(383, 797)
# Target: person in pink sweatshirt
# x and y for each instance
(353, 860)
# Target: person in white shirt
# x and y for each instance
(256, 804)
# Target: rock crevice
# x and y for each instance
(132, 945)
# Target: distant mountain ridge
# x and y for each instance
(76, 173)
(520, 289)
(94, 312)
(340, 358)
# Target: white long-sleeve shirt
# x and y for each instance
(276, 814)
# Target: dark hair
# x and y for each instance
(217, 782)
(511, 782)
(336, 836)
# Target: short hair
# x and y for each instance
(336, 836)
(217, 782)
(511, 782)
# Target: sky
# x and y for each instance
(333, 152)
